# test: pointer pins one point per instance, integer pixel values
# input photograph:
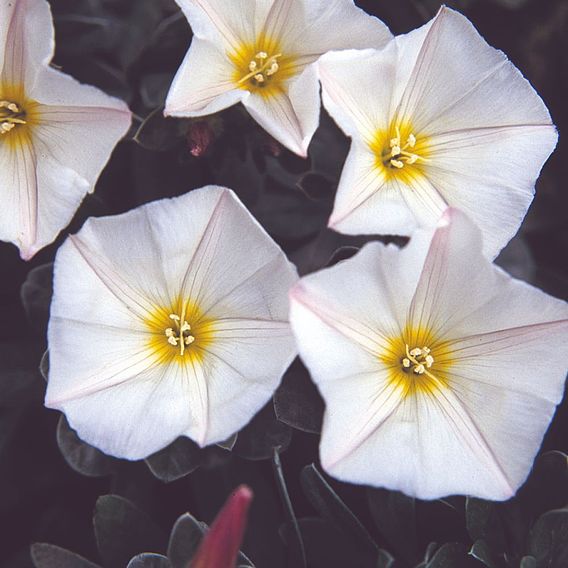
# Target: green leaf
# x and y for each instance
(36, 292)
(160, 133)
(149, 560)
(481, 551)
(328, 504)
(384, 560)
(184, 540)
(547, 486)
(548, 539)
(483, 521)
(328, 547)
(264, 432)
(452, 555)
(44, 365)
(175, 461)
(80, 456)
(229, 443)
(50, 556)
(20, 381)
(297, 555)
(297, 401)
(123, 531)
(395, 518)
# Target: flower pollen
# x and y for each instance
(11, 115)
(179, 336)
(261, 67)
(417, 370)
(418, 360)
(396, 155)
(179, 332)
(400, 152)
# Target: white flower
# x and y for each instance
(440, 373)
(437, 118)
(260, 53)
(55, 134)
(168, 320)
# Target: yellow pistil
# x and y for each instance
(11, 115)
(179, 332)
(417, 362)
(400, 152)
(261, 67)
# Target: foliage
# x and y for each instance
(51, 482)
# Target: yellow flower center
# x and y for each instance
(11, 115)
(417, 362)
(179, 335)
(400, 152)
(396, 155)
(179, 332)
(261, 67)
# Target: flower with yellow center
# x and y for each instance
(437, 118)
(167, 321)
(55, 134)
(262, 53)
(440, 373)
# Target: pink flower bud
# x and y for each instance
(220, 545)
(200, 136)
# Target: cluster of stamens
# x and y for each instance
(179, 335)
(261, 68)
(397, 156)
(10, 115)
(417, 360)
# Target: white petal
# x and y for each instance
(455, 299)
(204, 83)
(357, 89)
(341, 322)
(26, 40)
(79, 125)
(40, 196)
(486, 169)
(116, 272)
(18, 181)
(140, 416)
(366, 203)
(244, 366)
(458, 80)
(292, 115)
(231, 23)
(428, 448)
(511, 382)
(450, 289)
(304, 26)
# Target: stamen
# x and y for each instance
(419, 359)
(179, 336)
(261, 68)
(398, 156)
(10, 116)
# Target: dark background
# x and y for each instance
(132, 48)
